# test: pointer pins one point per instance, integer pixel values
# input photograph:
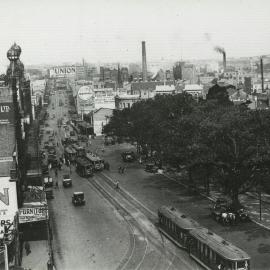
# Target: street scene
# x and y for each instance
(135, 143)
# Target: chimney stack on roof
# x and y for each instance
(144, 65)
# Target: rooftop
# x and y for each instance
(193, 87)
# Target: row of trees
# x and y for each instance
(211, 138)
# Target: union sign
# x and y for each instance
(62, 71)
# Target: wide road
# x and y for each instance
(102, 235)
(93, 236)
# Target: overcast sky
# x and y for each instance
(55, 31)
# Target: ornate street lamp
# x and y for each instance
(15, 73)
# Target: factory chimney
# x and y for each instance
(144, 66)
(222, 51)
(224, 61)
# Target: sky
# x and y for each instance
(58, 31)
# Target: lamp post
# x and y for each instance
(14, 72)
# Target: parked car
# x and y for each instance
(67, 182)
(128, 156)
(151, 167)
(78, 198)
(49, 193)
(48, 181)
(109, 140)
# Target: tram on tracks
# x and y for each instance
(207, 248)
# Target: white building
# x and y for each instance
(105, 98)
(100, 119)
(195, 90)
(125, 101)
(165, 90)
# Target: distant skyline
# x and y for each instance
(112, 30)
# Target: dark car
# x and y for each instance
(151, 167)
(48, 182)
(109, 140)
(67, 182)
(78, 198)
(49, 193)
(221, 202)
(128, 156)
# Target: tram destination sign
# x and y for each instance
(63, 71)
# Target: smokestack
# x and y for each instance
(144, 66)
(261, 64)
(222, 51)
(224, 61)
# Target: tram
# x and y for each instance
(175, 225)
(80, 151)
(70, 154)
(207, 248)
(96, 162)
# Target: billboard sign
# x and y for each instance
(6, 113)
(8, 203)
(85, 93)
(63, 71)
(33, 214)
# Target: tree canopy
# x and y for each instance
(228, 143)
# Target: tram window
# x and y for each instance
(202, 248)
(242, 265)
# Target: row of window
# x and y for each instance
(199, 249)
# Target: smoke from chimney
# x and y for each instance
(222, 51)
(144, 66)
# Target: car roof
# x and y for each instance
(78, 193)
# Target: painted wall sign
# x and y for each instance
(6, 113)
(33, 214)
(8, 203)
(62, 71)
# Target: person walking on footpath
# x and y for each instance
(120, 169)
(27, 248)
(123, 169)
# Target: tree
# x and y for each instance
(220, 94)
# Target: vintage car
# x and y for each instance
(48, 181)
(128, 156)
(49, 193)
(78, 198)
(109, 140)
(67, 182)
(151, 167)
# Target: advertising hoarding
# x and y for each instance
(85, 93)
(6, 113)
(8, 203)
(63, 71)
(33, 214)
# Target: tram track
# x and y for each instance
(145, 221)
(138, 242)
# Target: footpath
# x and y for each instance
(36, 259)
(250, 200)
(154, 191)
